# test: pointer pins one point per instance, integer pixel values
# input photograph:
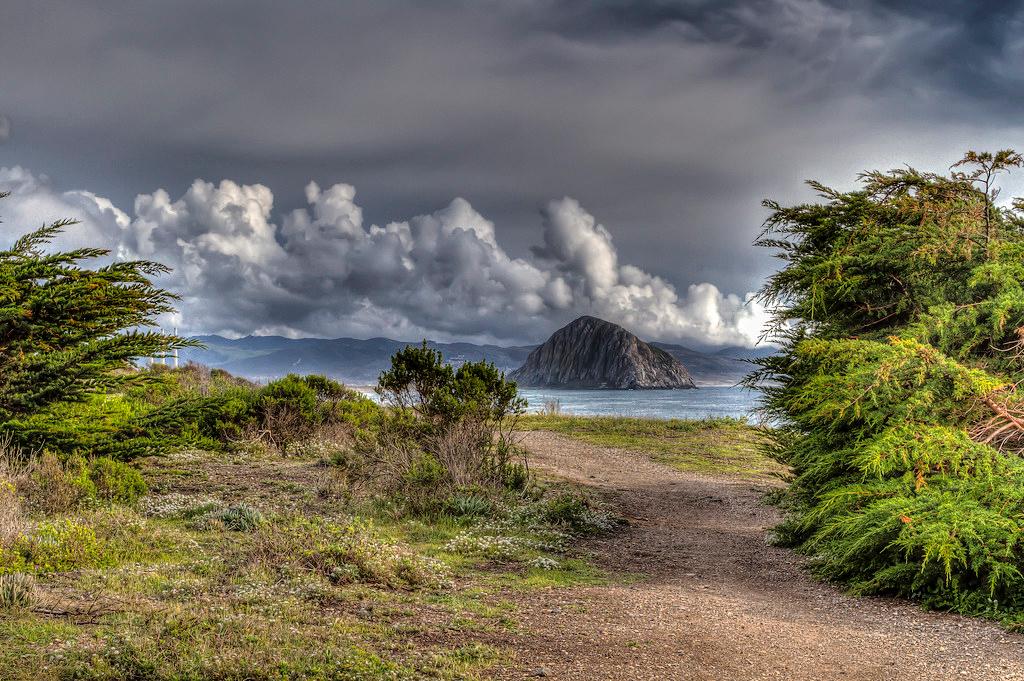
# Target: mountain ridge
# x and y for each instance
(359, 361)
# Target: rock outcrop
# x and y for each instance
(593, 353)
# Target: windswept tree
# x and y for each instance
(69, 332)
(901, 311)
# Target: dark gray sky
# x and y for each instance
(665, 121)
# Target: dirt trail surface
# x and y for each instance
(716, 602)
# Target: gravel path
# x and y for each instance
(716, 602)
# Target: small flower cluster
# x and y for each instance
(495, 547)
(175, 505)
(544, 563)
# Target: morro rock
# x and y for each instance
(593, 353)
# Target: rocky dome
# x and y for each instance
(593, 353)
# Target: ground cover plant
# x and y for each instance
(901, 310)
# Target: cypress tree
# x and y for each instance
(900, 308)
(68, 332)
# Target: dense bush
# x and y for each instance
(284, 414)
(901, 312)
(420, 383)
(54, 546)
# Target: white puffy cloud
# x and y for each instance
(320, 270)
(34, 202)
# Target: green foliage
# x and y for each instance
(54, 546)
(901, 313)
(444, 430)
(420, 382)
(116, 482)
(241, 518)
(68, 332)
(48, 484)
(288, 411)
(17, 591)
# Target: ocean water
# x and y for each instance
(701, 403)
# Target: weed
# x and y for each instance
(241, 518)
(17, 591)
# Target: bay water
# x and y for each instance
(701, 403)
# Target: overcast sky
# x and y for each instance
(478, 170)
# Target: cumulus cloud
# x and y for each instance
(321, 270)
(35, 202)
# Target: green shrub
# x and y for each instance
(54, 486)
(57, 546)
(51, 485)
(420, 382)
(424, 473)
(288, 412)
(515, 477)
(116, 482)
(901, 313)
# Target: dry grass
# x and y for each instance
(312, 593)
(12, 518)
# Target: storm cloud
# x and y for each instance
(669, 120)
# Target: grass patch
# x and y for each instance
(723, 446)
(316, 586)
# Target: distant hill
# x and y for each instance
(359, 362)
(593, 353)
(726, 366)
(354, 361)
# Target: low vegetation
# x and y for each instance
(161, 523)
(898, 392)
(722, 446)
(376, 542)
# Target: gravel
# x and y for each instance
(716, 601)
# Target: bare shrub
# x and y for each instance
(464, 450)
(284, 425)
(12, 521)
(466, 457)
(51, 486)
(382, 462)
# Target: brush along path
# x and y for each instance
(716, 602)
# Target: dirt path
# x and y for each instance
(716, 602)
